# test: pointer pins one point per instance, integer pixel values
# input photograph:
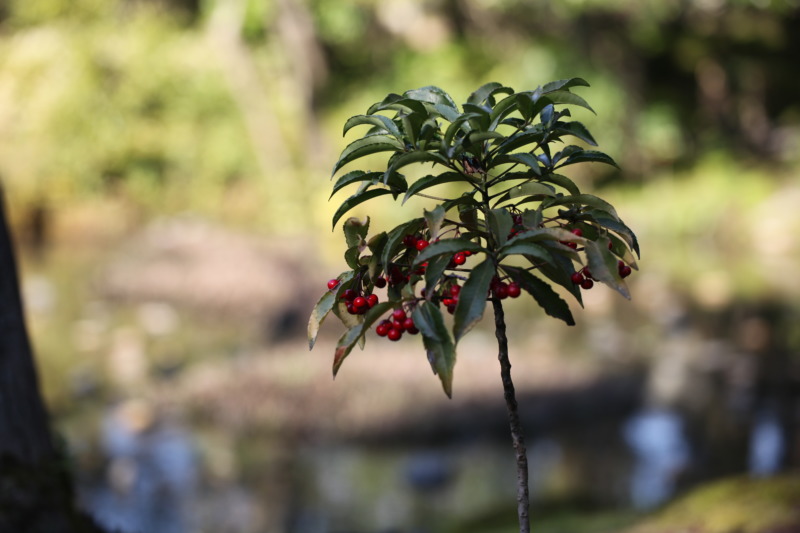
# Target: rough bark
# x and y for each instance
(517, 435)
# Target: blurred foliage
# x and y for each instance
(212, 106)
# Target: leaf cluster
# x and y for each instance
(520, 221)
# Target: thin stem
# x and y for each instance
(517, 436)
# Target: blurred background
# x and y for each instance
(166, 165)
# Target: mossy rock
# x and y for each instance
(739, 505)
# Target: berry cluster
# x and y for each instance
(356, 304)
(584, 278)
(578, 233)
(394, 326)
(502, 290)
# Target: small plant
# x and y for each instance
(511, 223)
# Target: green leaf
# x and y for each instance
(472, 299)
(434, 219)
(560, 85)
(375, 120)
(528, 249)
(531, 189)
(576, 129)
(450, 114)
(588, 156)
(395, 239)
(446, 246)
(432, 180)
(534, 134)
(566, 97)
(486, 91)
(350, 337)
(431, 94)
(438, 343)
(434, 272)
(398, 103)
(618, 226)
(354, 177)
(543, 293)
(588, 200)
(417, 156)
(500, 224)
(502, 109)
(561, 181)
(355, 232)
(559, 272)
(525, 158)
(603, 264)
(323, 307)
(366, 146)
(357, 199)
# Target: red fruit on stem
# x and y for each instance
(349, 295)
(501, 291)
(360, 302)
(451, 308)
(412, 331)
(399, 325)
(332, 284)
(394, 334)
(372, 300)
(408, 323)
(421, 244)
(382, 329)
(587, 284)
(513, 290)
(448, 301)
(351, 308)
(587, 272)
(577, 231)
(409, 241)
(459, 258)
(610, 245)
(625, 271)
(467, 253)
(380, 283)
(577, 278)
(455, 290)
(399, 314)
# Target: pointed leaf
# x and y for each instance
(434, 271)
(350, 337)
(487, 91)
(528, 249)
(395, 239)
(531, 189)
(380, 121)
(431, 94)
(566, 97)
(472, 299)
(543, 293)
(417, 156)
(603, 264)
(560, 85)
(438, 343)
(366, 146)
(323, 307)
(576, 129)
(588, 200)
(434, 219)
(561, 181)
(355, 232)
(525, 158)
(357, 199)
(354, 177)
(588, 156)
(500, 224)
(446, 246)
(432, 180)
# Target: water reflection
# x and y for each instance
(656, 437)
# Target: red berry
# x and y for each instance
(349, 295)
(409, 241)
(399, 314)
(451, 308)
(408, 324)
(412, 330)
(382, 329)
(459, 258)
(577, 231)
(514, 290)
(421, 244)
(577, 278)
(624, 271)
(587, 284)
(332, 284)
(351, 309)
(467, 253)
(610, 245)
(360, 302)
(380, 283)
(572, 245)
(587, 272)
(372, 300)
(399, 325)
(517, 219)
(394, 334)
(455, 290)
(501, 291)
(448, 301)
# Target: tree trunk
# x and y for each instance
(36, 493)
(517, 435)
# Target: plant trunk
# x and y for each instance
(517, 436)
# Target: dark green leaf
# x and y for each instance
(434, 219)
(561, 181)
(525, 158)
(528, 249)
(446, 246)
(400, 104)
(438, 344)
(576, 129)
(566, 97)
(434, 180)
(431, 94)
(380, 121)
(531, 189)
(543, 293)
(502, 109)
(559, 272)
(354, 177)
(605, 220)
(487, 90)
(355, 200)
(472, 298)
(500, 224)
(417, 156)
(560, 85)
(589, 156)
(534, 134)
(366, 146)
(323, 307)
(603, 264)
(588, 200)
(350, 337)
(434, 271)
(395, 238)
